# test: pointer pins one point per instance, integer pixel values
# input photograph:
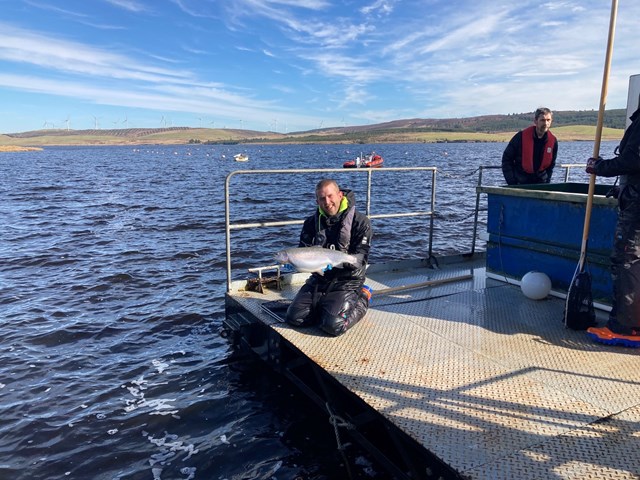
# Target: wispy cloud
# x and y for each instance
(196, 8)
(130, 5)
(54, 8)
(354, 70)
(300, 4)
(186, 98)
(381, 7)
(22, 46)
(465, 35)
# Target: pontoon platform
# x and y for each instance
(454, 373)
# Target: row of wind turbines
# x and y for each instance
(164, 123)
(96, 123)
(66, 123)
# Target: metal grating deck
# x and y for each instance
(482, 377)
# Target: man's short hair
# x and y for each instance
(326, 182)
(542, 111)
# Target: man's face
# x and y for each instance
(543, 123)
(329, 199)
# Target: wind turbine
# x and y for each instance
(96, 123)
(67, 122)
(125, 121)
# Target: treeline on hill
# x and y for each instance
(492, 123)
(488, 124)
(615, 118)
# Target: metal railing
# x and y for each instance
(568, 166)
(478, 209)
(567, 169)
(369, 172)
(229, 226)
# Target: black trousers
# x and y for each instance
(625, 268)
(334, 307)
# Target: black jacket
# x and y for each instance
(323, 231)
(627, 162)
(512, 169)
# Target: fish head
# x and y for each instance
(282, 257)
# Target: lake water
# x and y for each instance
(112, 281)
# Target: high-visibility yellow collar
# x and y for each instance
(344, 204)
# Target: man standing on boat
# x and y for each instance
(336, 299)
(623, 326)
(531, 154)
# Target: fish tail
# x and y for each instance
(359, 259)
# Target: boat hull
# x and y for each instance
(375, 162)
(539, 227)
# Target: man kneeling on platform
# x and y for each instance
(335, 299)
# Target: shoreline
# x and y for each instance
(17, 148)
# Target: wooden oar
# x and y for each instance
(428, 283)
(579, 313)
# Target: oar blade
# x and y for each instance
(579, 313)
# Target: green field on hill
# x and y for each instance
(353, 135)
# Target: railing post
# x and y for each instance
(227, 229)
(475, 215)
(433, 210)
(369, 176)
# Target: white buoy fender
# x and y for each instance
(535, 285)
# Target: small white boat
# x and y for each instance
(241, 157)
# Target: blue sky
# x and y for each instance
(291, 65)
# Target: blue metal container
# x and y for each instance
(540, 227)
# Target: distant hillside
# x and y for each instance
(615, 118)
(115, 132)
(568, 125)
(134, 136)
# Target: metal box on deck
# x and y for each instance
(540, 227)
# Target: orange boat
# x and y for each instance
(373, 160)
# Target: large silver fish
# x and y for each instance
(316, 259)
